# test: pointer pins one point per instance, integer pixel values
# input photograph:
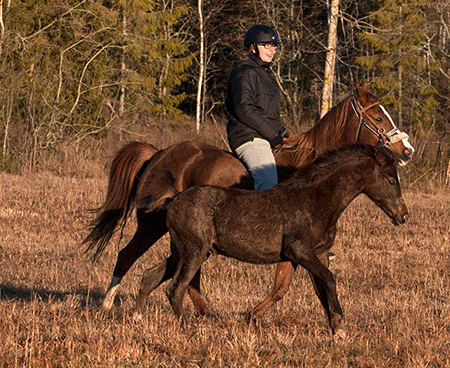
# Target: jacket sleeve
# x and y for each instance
(244, 92)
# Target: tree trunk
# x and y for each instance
(400, 82)
(122, 68)
(327, 91)
(201, 71)
(447, 179)
(8, 107)
(2, 26)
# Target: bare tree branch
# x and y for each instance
(80, 82)
(26, 38)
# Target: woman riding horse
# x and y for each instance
(147, 179)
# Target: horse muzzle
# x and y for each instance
(397, 221)
(407, 152)
(401, 215)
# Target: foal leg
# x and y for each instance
(180, 282)
(196, 296)
(155, 276)
(151, 279)
(324, 282)
(283, 278)
(321, 293)
(188, 267)
(151, 227)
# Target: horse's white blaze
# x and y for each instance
(396, 135)
(388, 116)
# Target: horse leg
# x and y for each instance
(283, 278)
(151, 227)
(324, 282)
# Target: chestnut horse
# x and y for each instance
(146, 178)
(299, 228)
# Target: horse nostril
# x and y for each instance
(407, 153)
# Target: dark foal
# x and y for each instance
(296, 222)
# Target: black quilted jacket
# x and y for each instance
(253, 103)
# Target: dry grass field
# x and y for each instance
(393, 283)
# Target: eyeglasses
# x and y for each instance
(269, 45)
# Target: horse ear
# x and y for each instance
(383, 155)
(365, 87)
(362, 92)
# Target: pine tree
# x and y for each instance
(70, 70)
(156, 60)
(398, 62)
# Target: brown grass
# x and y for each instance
(392, 282)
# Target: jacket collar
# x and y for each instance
(258, 60)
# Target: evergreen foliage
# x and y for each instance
(80, 68)
(398, 62)
(65, 65)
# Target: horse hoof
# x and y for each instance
(107, 304)
(111, 294)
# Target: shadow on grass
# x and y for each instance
(9, 291)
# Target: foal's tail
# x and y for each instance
(121, 195)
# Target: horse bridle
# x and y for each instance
(384, 138)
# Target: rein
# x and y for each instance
(384, 139)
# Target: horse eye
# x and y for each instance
(379, 119)
(392, 181)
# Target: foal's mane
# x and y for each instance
(334, 160)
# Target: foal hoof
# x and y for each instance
(137, 317)
(340, 333)
(249, 317)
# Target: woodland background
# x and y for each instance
(78, 78)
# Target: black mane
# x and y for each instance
(325, 165)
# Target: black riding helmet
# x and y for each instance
(260, 33)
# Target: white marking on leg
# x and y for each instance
(111, 293)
